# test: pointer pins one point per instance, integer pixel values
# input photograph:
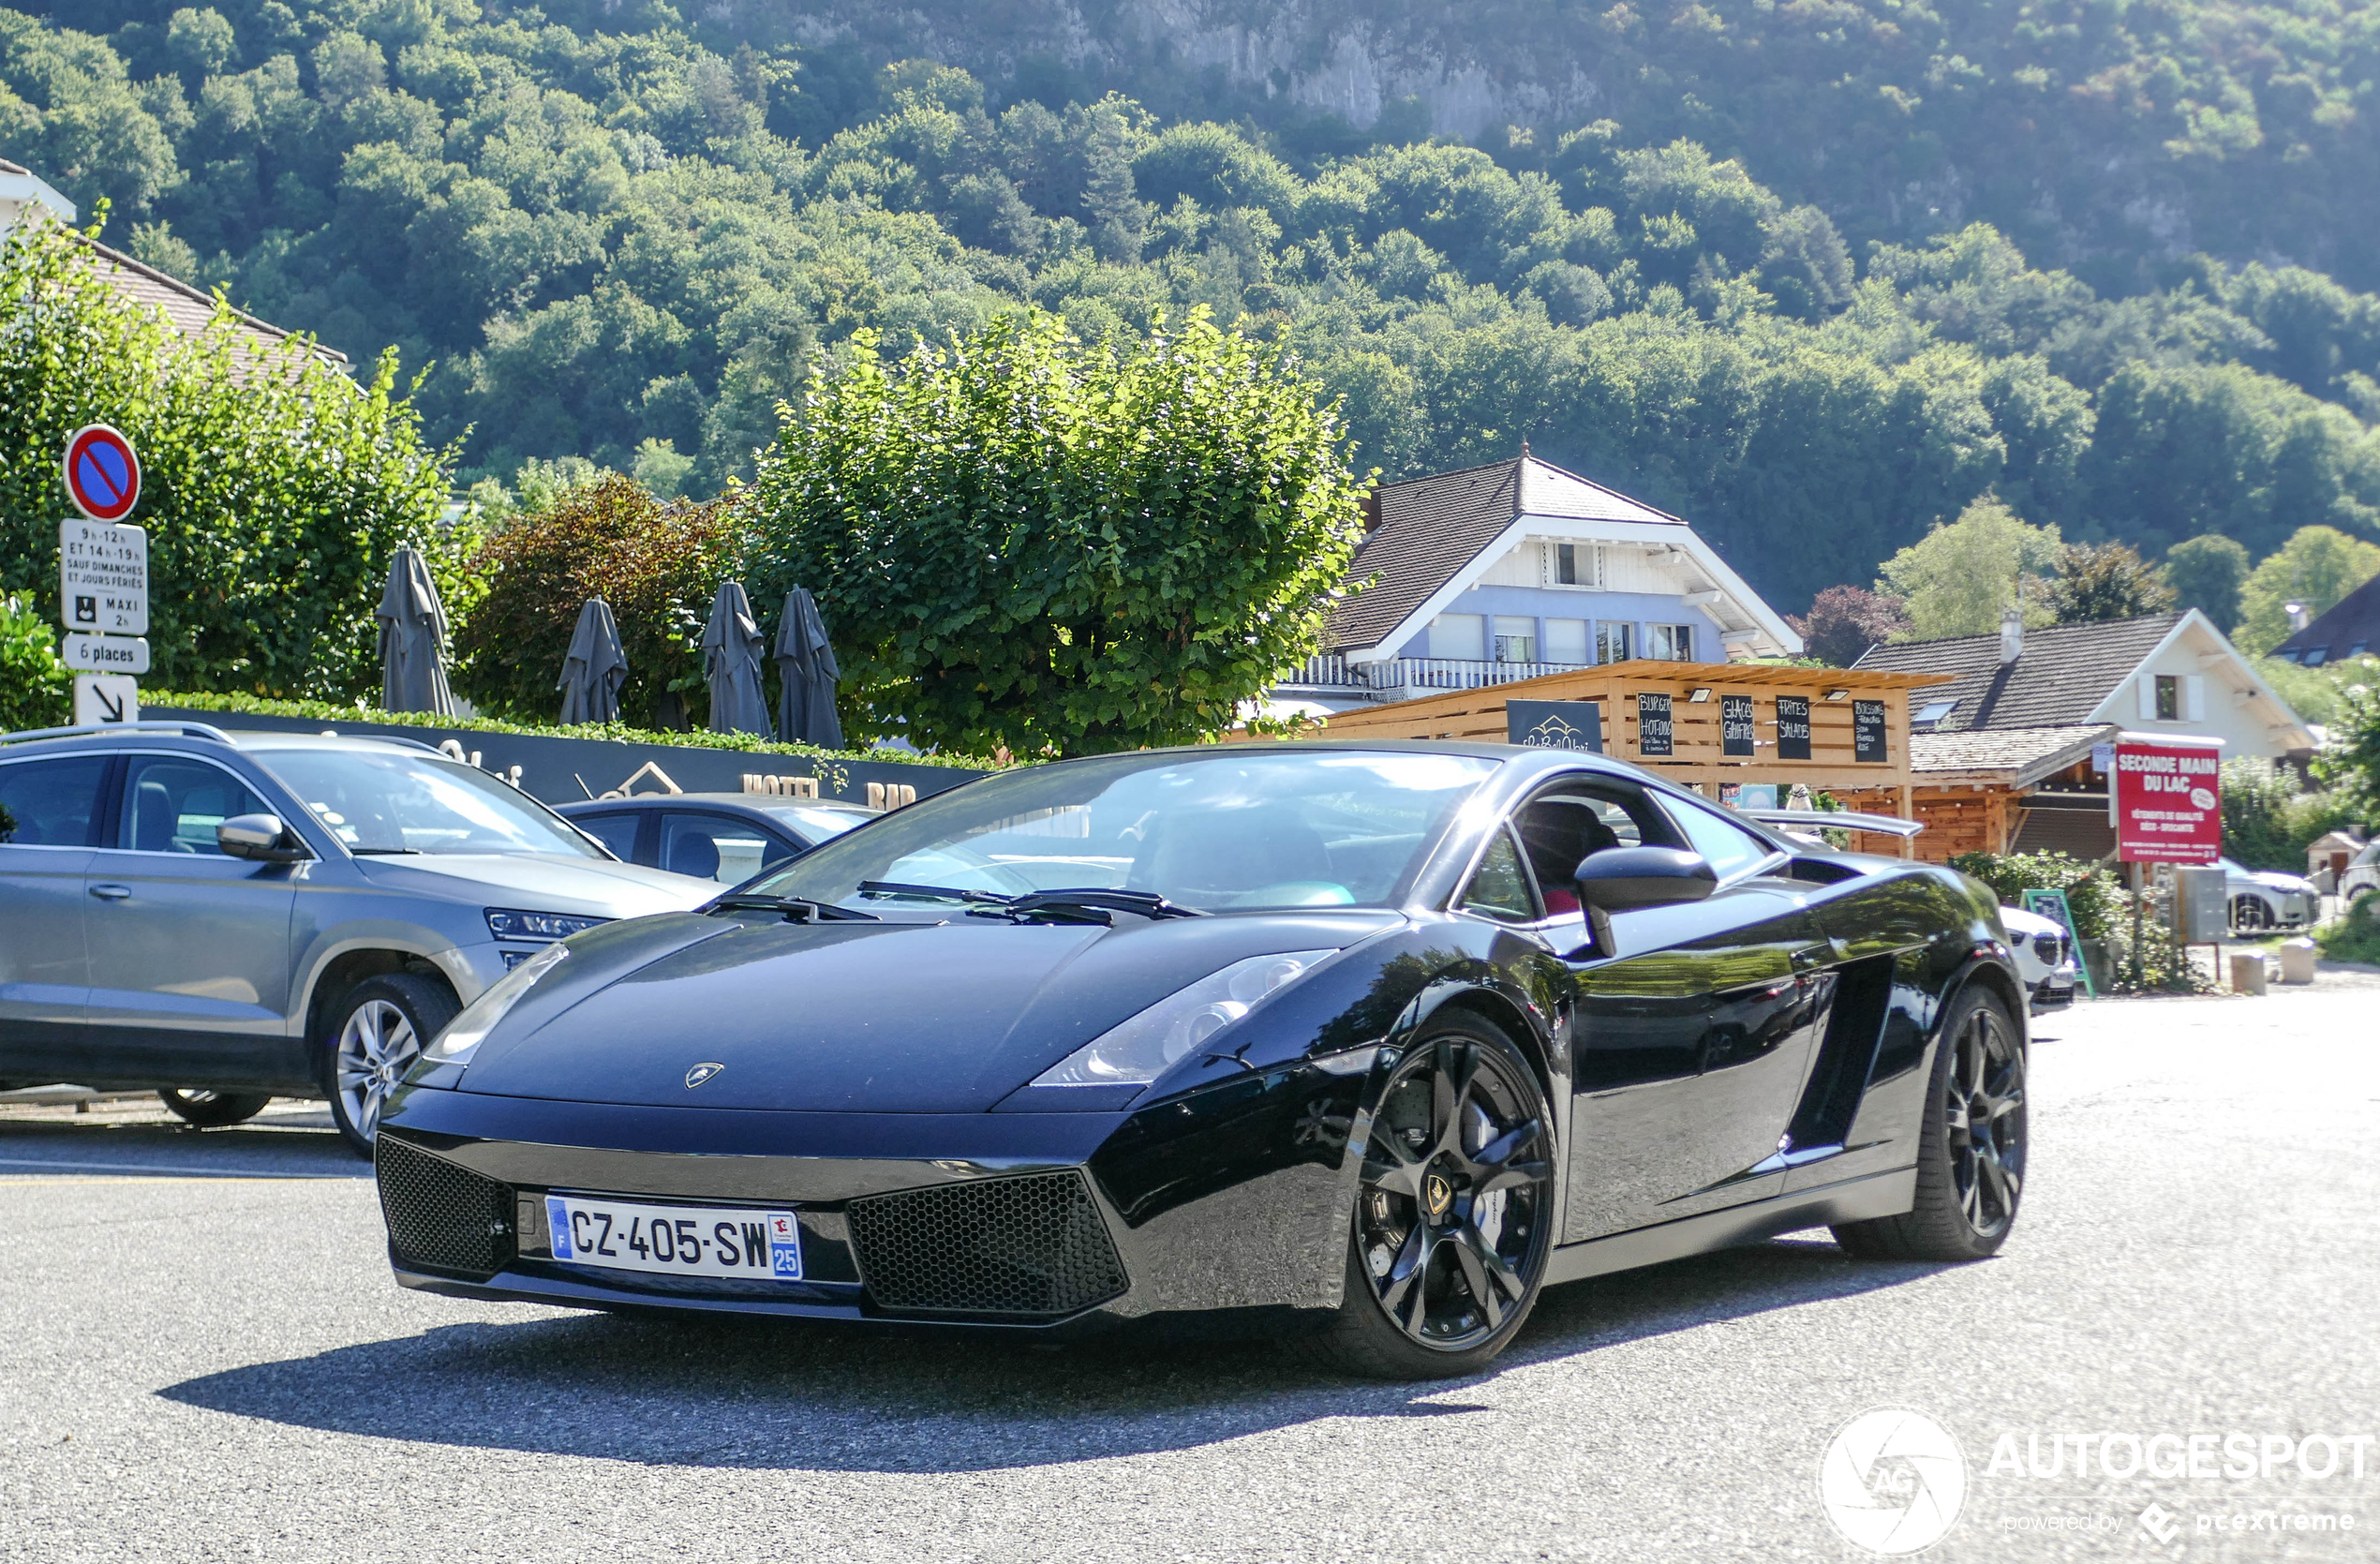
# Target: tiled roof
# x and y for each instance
(188, 309)
(1428, 528)
(2026, 754)
(2353, 621)
(2063, 675)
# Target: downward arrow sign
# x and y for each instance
(114, 708)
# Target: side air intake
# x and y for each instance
(1030, 1246)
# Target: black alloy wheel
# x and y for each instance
(2249, 914)
(1453, 1210)
(1971, 1155)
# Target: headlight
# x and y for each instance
(1136, 1051)
(506, 924)
(463, 1034)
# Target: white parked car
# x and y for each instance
(2262, 900)
(2362, 876)
(2046, 958)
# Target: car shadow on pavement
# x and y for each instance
(771, 1394)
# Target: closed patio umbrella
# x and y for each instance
(806, 661)
(412, 640)
(732, 646)
(595, 668)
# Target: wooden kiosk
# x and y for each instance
(1704, 726)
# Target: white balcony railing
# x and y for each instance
(1400, 679)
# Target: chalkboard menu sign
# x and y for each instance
(1653, 725)
(1867, 732)
(1735, 725)
(1792, 727)
(1554, 725)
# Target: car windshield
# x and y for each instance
(376, 801)
(1238, 829)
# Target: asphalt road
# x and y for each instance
(202, 1355)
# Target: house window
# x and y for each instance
(1613, 642)
(2315, 656)
(1670, 642)
(1565, 641)
(1515, 640)
(1933, 712)
(2168, 698)
(1462, 636)
(1577, 565)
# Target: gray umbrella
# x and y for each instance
(595, 668)
(732, 646)
(806, 661)
(412, 638)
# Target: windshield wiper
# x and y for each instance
(793, 909)
(1089, 904)
(937, 893)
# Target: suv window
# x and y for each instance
(717, 847)
(616, 831)
(171, 805)
(50, 803)
(1726, 847)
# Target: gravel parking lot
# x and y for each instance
(205, 1358)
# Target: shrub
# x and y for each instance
(2267, 823)
(1022, 543)
(35, 689)
(2355, 937)
(2092, 894)
(657, 565)
(273, 489)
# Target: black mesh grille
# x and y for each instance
(442, 1218)
(1029, 1245)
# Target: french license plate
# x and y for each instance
(676, 1241)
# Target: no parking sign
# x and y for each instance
(103, 477)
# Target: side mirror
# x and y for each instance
(1619, 879)
(260, 839)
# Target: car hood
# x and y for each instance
(944, 1017)
(540, 882)
(2018, 921)
(2274, 880)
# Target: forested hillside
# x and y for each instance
(1732, 258)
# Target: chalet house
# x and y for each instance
(1496, 574)
(2350, 628)
(2003, 756)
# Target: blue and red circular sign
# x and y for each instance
(103, 477)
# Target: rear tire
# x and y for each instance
(1453, 1214)
(1970, 1149)
(379, 1028)
(205, 1110)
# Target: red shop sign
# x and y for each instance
(2168, 799)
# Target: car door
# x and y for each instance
(1690, 1037)
(50, 811)
(190, 948)
(714, 845)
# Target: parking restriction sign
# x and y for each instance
(103, 577)
(103, 476)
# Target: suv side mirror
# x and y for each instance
(1619, 879)
(260, 839)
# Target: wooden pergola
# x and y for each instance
(1697, 753)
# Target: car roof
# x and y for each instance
(201, 739)
(762, 801)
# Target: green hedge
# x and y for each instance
(2356, 937)
(324, 711)
(2091, 891)
(37, 689)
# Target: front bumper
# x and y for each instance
(2053, 992)
(1232, 1200)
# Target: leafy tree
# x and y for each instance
(657, 565)
(2207, 572)
(1021, 541)
(2095, 582)
(275, 490)
(1845, 621)
(1962, 577)
(35, 688)
(2268, 821)
(2315, 569)
(2350, 762)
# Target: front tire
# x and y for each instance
(1453, 1213)
(1970, 1152)
(204, 1110)
(2251, 916)
(379, 1028)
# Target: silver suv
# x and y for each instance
(229, 918)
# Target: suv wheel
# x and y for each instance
(205, 1110)
(374, 1037)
